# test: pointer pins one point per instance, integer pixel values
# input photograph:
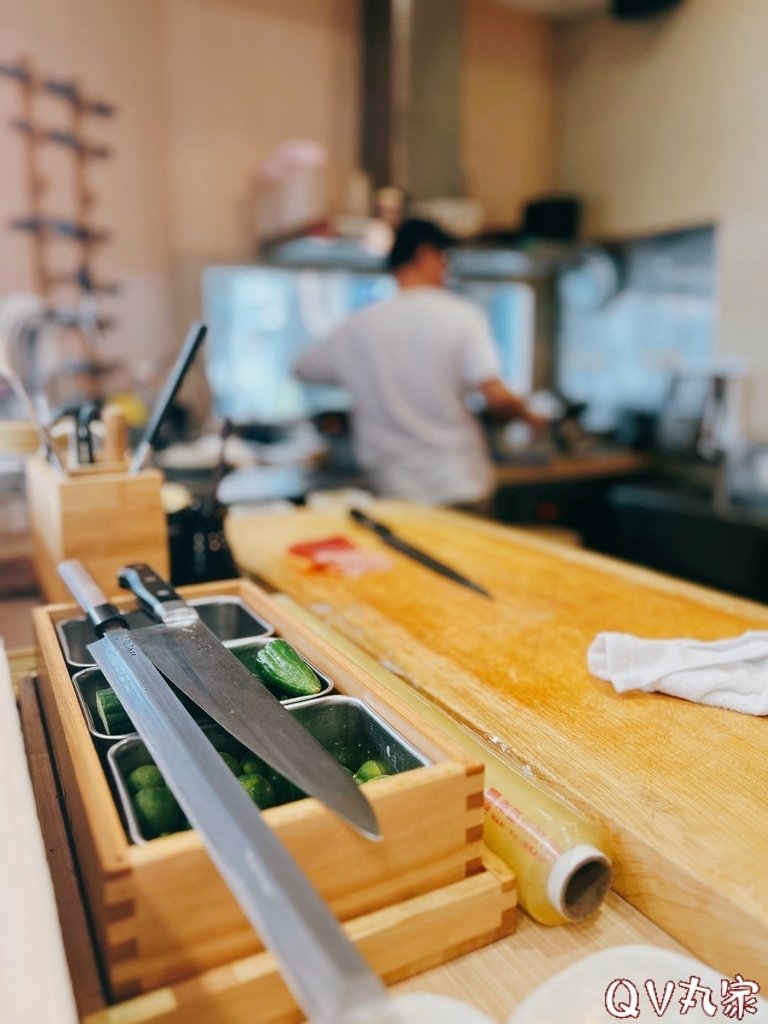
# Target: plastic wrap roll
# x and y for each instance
(560, 856)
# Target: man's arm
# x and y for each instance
(317, 365)
(481, 371)
(503, 404)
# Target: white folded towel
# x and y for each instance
(729, 673)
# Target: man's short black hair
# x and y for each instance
(414, 233)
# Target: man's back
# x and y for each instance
(409, 363)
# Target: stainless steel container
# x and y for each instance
(244, 647)
(88, 681)
(226, 616)
(345, 726)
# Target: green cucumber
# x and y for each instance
(280, 665)
(112, 713)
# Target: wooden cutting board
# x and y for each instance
(681, 788)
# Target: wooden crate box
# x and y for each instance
(161, 912)
(100, 514)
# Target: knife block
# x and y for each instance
(99, 514)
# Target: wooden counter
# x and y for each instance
(572, 467)
(680, 787)
(494, 978)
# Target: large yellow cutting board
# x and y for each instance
(682, 788)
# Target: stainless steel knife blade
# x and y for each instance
(398, 544)
(323, 969)
(173, 382)
(195, 661)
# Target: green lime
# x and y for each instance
(147, 776)
(259, 790)
(370, 770)
(157, 811)
(251, 765)
(230, 761)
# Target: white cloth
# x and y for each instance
(409, 363)
(730, 673)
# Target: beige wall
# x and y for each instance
(664, 125)
(244, 75)
(241, 77)
(206, 89)
(509, 108)
(114, 49)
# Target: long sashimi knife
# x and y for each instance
(195, 660)
(324, 970)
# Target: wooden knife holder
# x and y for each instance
(166, 925)
(101, 515)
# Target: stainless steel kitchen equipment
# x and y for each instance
(228, 617)
(189, 654)
(323, 969)
(338, 722)
(172, 384)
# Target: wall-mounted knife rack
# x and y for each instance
(40, 225)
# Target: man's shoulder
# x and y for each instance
(437, 304)
(461, 312)
(372, 313)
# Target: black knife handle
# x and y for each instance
(89, 595)
(371, 524)
(85, 415)
(154, 593)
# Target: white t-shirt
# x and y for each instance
(409, 363)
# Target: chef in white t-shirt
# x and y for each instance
(409, 364)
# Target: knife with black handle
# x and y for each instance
(86, 414)
(197, 662)
(398, 544)
(323, 969)
(192, 342)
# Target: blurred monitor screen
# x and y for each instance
(260, 319)
(621, 352)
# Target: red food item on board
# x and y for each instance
(340, 557)
(310, 548)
